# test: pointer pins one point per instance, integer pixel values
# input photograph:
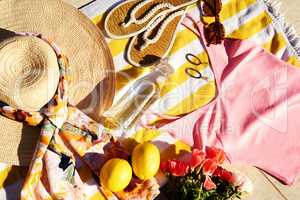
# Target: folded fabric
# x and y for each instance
(254, 115)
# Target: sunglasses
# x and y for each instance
(214, 33)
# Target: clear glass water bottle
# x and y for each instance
(137, 98)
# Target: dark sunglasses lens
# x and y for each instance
(211, 7)
(214, 33)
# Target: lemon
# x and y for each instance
(116, 174)
(145, 160)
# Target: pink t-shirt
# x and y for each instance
(255, 116)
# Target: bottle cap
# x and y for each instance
(165, 67)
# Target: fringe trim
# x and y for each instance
(290, 32)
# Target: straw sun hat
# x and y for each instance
(29, 71)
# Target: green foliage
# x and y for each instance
(190, 187)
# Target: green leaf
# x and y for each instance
(190, 187)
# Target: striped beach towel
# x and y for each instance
(258, 21)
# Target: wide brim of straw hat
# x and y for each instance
(91, 66)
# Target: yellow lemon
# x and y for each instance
(145, 160)
(116, 174)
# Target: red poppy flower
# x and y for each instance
(209, 184)
(164, 167)
(178, 168)
(215, 154)
(225, 175)
(175, 167)
(209, 166)
(218, 172)
(197, 159)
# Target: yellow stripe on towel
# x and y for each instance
(182, 39)
(97, 19)
(252, 27)
(179, 76)
(275, 44)
(294, 60)
(117, 46)
(198, 99)
(233, 7)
